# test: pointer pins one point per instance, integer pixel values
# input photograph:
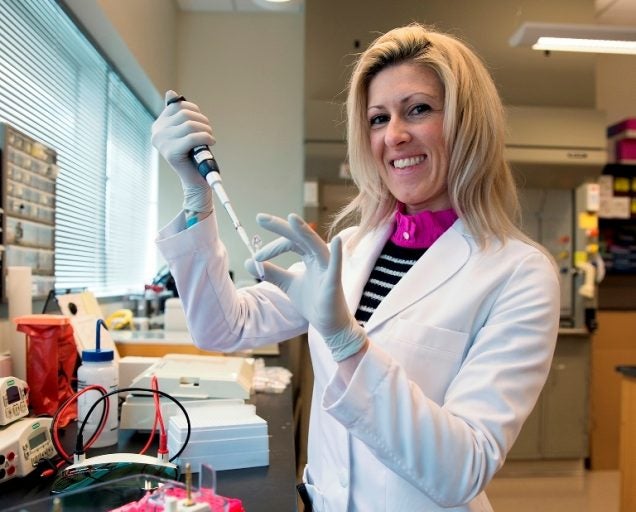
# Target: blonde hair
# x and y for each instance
(480, 184)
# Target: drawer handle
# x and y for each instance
(579, 155)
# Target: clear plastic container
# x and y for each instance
(133, 492)
(98, 368)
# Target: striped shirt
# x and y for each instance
(392, 264)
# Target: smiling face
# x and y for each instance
(406, 116)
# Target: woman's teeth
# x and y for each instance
(407, 162)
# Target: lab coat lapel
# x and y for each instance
(358, 266)
(440, 262)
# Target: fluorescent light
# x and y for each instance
(279, 5)
(576, 38)
(569, 44)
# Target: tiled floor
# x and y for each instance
(593, 491)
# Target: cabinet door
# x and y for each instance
(558, 426)
(565, 422)
(528, 443)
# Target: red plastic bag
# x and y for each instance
(51, 359)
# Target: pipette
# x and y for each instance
(208, 167)
(214, 179)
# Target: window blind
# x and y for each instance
(57, 88)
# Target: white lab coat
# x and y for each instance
(459, 351)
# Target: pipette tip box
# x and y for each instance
(230, 437)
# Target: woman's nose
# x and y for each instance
(396, 132)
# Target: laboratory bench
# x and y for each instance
(261, 489)
(627, 440)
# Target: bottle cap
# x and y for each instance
(97, 355)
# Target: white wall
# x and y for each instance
(615, 93)
(245, 71)
(148, 28)
(523, 76)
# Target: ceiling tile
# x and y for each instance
(207, 5)
(240, 6)
(617, 12)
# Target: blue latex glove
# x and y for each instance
(317, 290)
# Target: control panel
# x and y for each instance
(14, 399)
(23, 444)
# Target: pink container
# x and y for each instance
(625, 129)
(626, 151)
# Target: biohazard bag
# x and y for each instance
(51, 357)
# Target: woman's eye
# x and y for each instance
(379, 119)
(422, 108)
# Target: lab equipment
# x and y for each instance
(14, 399)
(201, 377)
(208, 167)
(201, 156)
(140, 493)
(214, 179)
(79, 304)
(176, 498)
(174, 317)
(98, 368)
(110, 467)
(23, 444)
(229, 436)
(138, 412)
(131, 366)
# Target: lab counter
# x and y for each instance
(627, 439)
(263, 489)
(577, 332)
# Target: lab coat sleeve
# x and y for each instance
(219, 316)
(451, 451)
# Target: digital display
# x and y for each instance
(36, 441)
(13, 394)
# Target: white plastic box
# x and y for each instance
(224, 437)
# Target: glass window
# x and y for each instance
(57, 88)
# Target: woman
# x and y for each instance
(431, 325)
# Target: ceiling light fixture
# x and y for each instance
(280, 5)
(569, 37)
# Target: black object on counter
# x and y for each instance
(628, 371)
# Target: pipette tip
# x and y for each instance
(259, 269)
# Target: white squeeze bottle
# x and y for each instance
(98, 367)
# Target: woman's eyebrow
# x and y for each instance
(408, 98)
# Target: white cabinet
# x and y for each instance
(558, 427)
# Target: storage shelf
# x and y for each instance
(27, 235)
